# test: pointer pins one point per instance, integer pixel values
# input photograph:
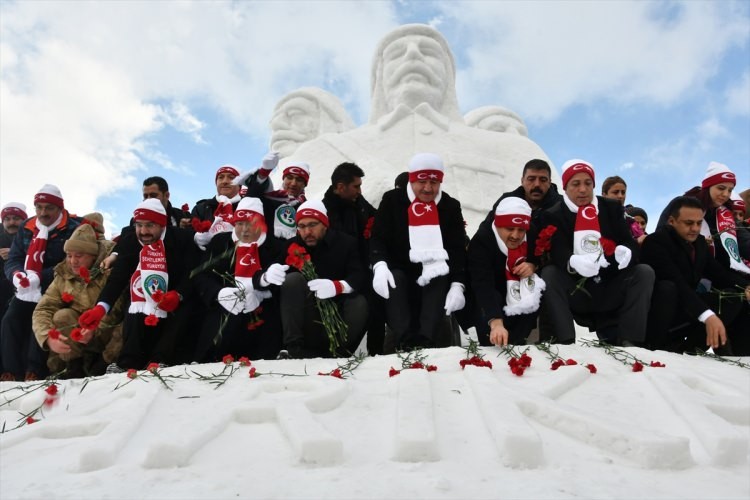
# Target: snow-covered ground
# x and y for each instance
(681, 431)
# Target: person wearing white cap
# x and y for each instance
(340, 277)
(418, 254)
(279, 206)
(593, 276)
(34, 253)
(13, 214)
(212, 216)
(506, 289)
(152, 268)
(237, 275)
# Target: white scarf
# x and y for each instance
(34, 262)
(522, 295)
(727, 229)
(244, 271)
(425, 237)
(587, 234)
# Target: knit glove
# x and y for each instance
(231, 299)
(455, 300)
(274, 275)
(584, 265)
(90, 319)
(270, 161)
(325, 289)
(382, 279)
(623, 255)
(29, 279)
(431, 270)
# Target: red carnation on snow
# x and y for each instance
(244, 361)
(657, 364)
(571, 362)
(591, 368)
(253, 373)
(51, 389)
(637, 367)
(228, 359)
(393, 372)
(132, 373)
(153, 367)
(557, 364)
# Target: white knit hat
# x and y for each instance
(716, 173)
(247, 207)
(14, 208)
(49, 194)
(151, 210)
(513, 212)
(423, 166)
(312, 209)
(298, 168)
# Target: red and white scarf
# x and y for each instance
(727, 229)
(522, 295)
(34, 262)
(425, 237)
(246, 264)
(149, 277)
(586, 233)
(284, 224)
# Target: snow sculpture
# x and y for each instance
(496, 119)
(414, 109)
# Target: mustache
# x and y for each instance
(537, 190)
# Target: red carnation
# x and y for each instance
(244, 361)
(392, 372)
(637, 367)
(67, 297)
(157, 296)
(51, 389)
(525, 360)
(169, 301)
(657, 364)
(517, 370)
(431, 368)
(543, 241)
(368, 228)
(185, 207)
(75, 335)
(591, 368)
(31, 420)
(151, 320)
(228, 359)
(557, 364)
(49, 402)
(608, 246)
(83, 271)
(153, 367)
(253, 372)
(417, 365)
(200, 226)
(132, 373)
(571, 362)
(297, 256)
(54, 334)
(23, 282)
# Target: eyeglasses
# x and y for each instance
(309, 225)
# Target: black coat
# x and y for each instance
(182, 257)
(390, 235)
(335, 258)
(204, 209)
(350, 217)
(612, 225)
(487, 273)
(208, 282)
(174, 214)
(669, 256)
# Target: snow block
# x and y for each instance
(517, 442)
(329, 397)
(310, 440)
(415, 437)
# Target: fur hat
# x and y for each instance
(423, 166)
(82, 240)
(513, 212)
(49, 194)
(96, 221)
(573, 167)
(313, 209)
(14, 208)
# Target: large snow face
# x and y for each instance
(414, 109)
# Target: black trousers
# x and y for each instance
(19, 349)
(618, 305)
(144, 344)
(671, 329)
(415, 313)
(303, 331)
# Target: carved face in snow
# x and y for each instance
(296, 121)
(415, 68)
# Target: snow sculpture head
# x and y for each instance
(413, 65)
(303, 115)
(496, 119)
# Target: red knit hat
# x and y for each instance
(424, 166)
(151, 210)
(300, 169)
(313, 209)
(573, 167)
(49, 194)
(716, 173)
(228, 169)
(14, 208)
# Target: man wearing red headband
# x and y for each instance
(212, 216)
(13, 214)
(279, 206)
(593, 275)
(418, 254)
(36, 249)
(152, 269)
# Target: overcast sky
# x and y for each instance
(96, 96)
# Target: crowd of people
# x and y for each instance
(267, 273)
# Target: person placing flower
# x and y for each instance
(73, 352)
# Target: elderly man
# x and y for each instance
(36, 250)
(684, 319)
(279, 206)
(418, 256)
(506, 289)
(238, 275)
(153, 269)
(340, 278)
(13, 214)
(77, 284)
(593, 275)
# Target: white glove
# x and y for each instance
(270, 161)
(584, 265)
(219, 226)
(623, 255)
(202, 239)
(274, 275)
(382, 278)
(455, 300)
(432, 270)
(324, 289)
(231, 299)
(240, 179)
(32, 276)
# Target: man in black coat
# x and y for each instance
(418, 254)
(683, 319)
(238, 282)
(153, 269)
(351, 213)
(506, 289)
(340, 277)
(593, 275)
(13, 214)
